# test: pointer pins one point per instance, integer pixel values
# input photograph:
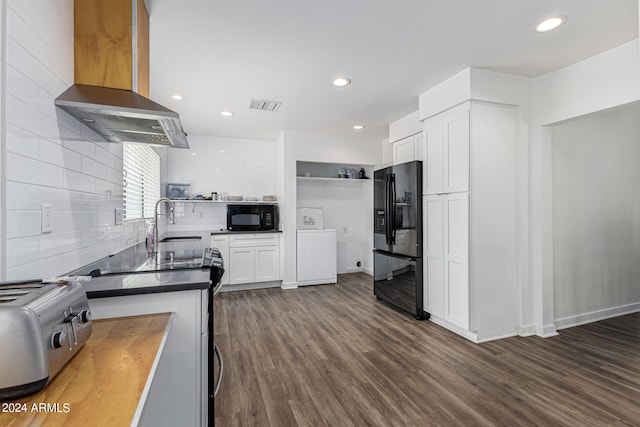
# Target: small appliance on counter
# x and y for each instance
(42, 326)
(253, 217)
(317, 261)
(178, 191)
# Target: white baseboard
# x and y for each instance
(595, 316)
(471, 336)
(496, 337)
(368, 271)
(289, 285)
(249, 286)
(546, 331)
(527, 331)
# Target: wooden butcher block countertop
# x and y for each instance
(105, 384)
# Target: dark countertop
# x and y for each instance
(113, 285)
(136, 259)
(245, 232)
(134, 271)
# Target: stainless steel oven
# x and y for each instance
(252, 217)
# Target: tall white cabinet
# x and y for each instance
(469, 219)
(405, 136)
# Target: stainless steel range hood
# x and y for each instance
(123, 116)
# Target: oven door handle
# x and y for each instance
(216, 350)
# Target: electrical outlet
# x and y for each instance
(119, 213)
(45, 215)
(201, 214)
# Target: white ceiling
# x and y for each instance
(218, 54)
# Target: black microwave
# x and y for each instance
(252, 217)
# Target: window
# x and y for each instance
(141, 181)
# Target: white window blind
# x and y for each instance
(141, 180)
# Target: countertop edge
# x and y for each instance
(152, 372)
(107, 293)
(230, 232)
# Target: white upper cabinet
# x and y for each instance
(407, 149)
(405, 136)
(446, 146)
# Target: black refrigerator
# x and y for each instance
(397, 253)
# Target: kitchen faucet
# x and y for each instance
(172, 220)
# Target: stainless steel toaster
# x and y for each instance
(42, 326)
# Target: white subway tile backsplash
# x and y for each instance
(50, 157)
(58, 155)
(22, 251)
(94, 168)
(32, 171)
(59, 243)
(20, 31)
(79, 182)
(23, 223)
(94, 236)
(23, 60)
(21, 196)
(20, 141)
(106, 157)
(66, 221)
(22, 87)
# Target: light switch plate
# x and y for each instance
(47, 222)
(119, 214)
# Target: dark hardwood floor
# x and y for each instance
(332, 355)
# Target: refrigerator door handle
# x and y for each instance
(393, 210)
(387, 219)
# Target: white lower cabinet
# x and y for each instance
(253, 258)
(446, 244)
(267, 263)
(178, 392)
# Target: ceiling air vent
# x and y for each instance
(264, 105)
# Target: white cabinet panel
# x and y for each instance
(404, 150)
(456, 259)
(433, 170)
(445, 143)
(242, 261)
(456, 151)
(433, 212)
(267, 260)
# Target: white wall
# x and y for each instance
(234, 166)
(45, 163)
(344, 205)
(242, 167)
(299, 146)
(601, 82)
(596, 216)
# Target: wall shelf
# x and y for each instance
(330, 171)
(225, 202)
(318, 178)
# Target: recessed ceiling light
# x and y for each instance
(341, 82)
(551, 23)
(194, 154)
(177, 97)
(226, 113)
(358, 127)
